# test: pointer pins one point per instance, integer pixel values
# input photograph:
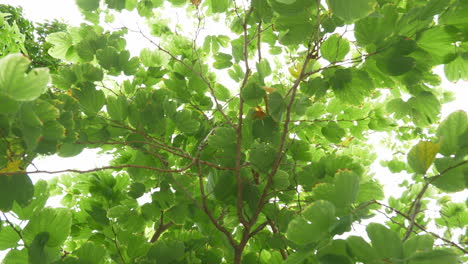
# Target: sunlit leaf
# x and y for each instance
(351, 11)
(18, 84)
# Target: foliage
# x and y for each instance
(22, 35)
(270, 166)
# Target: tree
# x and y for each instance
(267, 167)
(22, 35)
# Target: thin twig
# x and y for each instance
(199, 74)
(13, 227)
(414, 208)
(100, 169)
(161, 228)
(423, 228)
(116, 243)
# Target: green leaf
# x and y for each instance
(116, 4)
(263, 68)
(154, 58)
(36, 248)
(263, 156)
(386, 242)
(395, 64)
(61, 42)
(292, 8)
(41, 194)
(299, 256)
(334, 48)
(453, 180)
(350, 11)
(316, 87)
(300, 150)
(437, 41)
(434, 256)
(375, 29)
(287, 2)
(219, 6)
(333, 258)
(221, 92)
(90, 99)
(457, 69)
(361, 250)
(351, 86)
(346, 188)
(455, 15)
(252, 93)
(15, 256)
(8, 237)
(178, 213)
(453, 215)
(88, 5)
(86, 72)
(449, 132)
(370, 190)
(223, 185)
(53, 131)
(222, 61)
(137, 189)
(117, 107)
(418, 244)
(276, 106)
(224, 139)
(55, 221)
(281, 180)
(19, 85)
(91, 252)
(314, 225)
(422, 155)
(185, 122)
(70, 149)
(321, 214)
(301, 232)
(333, 132)
(426, 108)
(13, 188)
(166, 252)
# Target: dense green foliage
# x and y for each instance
(251, 145)
(22, 35)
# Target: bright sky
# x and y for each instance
(66, 10)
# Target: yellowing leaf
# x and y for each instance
(12, 166)
(422, 155)
(268, 89)
(295, 71)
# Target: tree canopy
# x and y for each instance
(248, 146)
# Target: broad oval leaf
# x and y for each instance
(55, 221)
(449, 132)
(422, 155)
(386, 242)
(335, 48)
(17, 83)
(350, 11)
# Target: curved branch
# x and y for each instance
(422, 228)
(414, 208)
(161, 228)
(99, 169)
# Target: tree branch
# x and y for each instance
(414, 208)
(199, 74)
(422, 228)
(161, 228)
